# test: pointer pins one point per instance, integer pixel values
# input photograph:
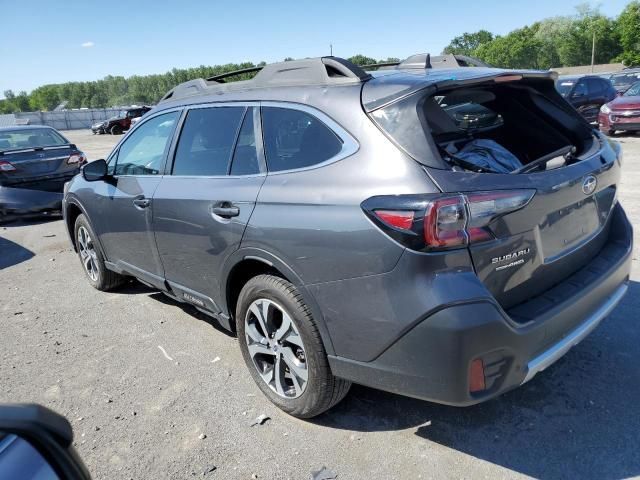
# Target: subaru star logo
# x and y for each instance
(589, 184)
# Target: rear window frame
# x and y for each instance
(349, 144)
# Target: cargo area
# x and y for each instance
(498, 140)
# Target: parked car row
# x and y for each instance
(613, 101)
(119, 123)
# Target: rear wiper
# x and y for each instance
(566, 152)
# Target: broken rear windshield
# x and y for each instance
(31, 138)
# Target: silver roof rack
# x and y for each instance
(310, 71)
(421, 61)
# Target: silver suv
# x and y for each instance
(437, 231)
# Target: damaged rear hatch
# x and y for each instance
(534, 184)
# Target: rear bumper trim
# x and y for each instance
(553, 354)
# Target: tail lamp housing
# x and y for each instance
(6, 167)
(77, 158)
(443, 222)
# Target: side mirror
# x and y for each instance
(35, 443)
(94, 171)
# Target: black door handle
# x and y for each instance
(226, 210)
(142, 202)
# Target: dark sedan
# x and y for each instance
(623, 113)
(35, 163)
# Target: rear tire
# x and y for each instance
(91, 258)
(292, 346)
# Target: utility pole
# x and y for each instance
(593, 51)
(331, 49)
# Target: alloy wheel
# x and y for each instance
(276, 348)
(88, 254)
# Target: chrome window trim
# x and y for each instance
(349, 144)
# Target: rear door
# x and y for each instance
(122, 208)
(202, 208)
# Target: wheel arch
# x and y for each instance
(71, 212)
(247, 263)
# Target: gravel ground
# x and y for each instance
(154, 389)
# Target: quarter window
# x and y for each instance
(143, 152)
(206, 142)
(296, 139)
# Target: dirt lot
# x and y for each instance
(142, 377)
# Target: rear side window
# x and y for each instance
(206, 142)
(295, 139)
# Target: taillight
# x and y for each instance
(445, 221)
(397, 219)
(76, 158)
(442, 222)
(6, 167)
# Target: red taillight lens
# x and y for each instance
(444, 223)
(433, 222)
(476, 376)
(6, 167)
(76, 158)
(396, 218)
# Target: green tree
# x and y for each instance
(518, 49)
(362, 60)
(628, 28)
(467, 43)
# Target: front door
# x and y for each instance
(202, 208)
(126, 198)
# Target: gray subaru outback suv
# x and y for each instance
(439, 232)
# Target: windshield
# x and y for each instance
(623, 79)
(634, 90)
(30, 138)
(564, 86)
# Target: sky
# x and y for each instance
(46, 41)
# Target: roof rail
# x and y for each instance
(309, 71)
(220, 78)
(425, 60)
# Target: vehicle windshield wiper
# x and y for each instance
(566, 152)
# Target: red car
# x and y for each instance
(622, 113)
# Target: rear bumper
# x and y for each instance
(16, 202)
(432, 360)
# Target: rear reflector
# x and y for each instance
(476, 376)
(398, 219)
(6, 167)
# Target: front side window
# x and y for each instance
(143, 152)
(207, 140)
(295, 139)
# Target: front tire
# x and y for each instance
(283, 350)
(116, 130)
(91, 258)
